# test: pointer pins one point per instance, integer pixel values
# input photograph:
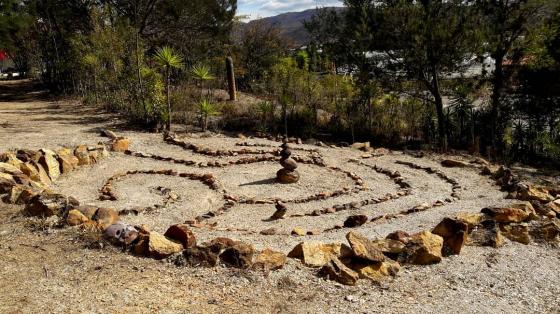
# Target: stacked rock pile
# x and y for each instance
(288, 173)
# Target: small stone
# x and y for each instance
(81, 152)
(355, 221)
(289, 164)
(280, 212)
(298, 231)
(181, 234)
(423, 248)
(270, 231)
(361, 146)
(336, 270)
(106, 217)
(287, 176)
(363, 248)
(120, 144)
(121, 233)
(454, 233)
(76, 218)
(398, 235)
(451, 163)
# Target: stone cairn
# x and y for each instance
(288, 173)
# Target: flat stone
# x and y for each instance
(160, 247)
(513, 213)
(50, 163)
(363, 248)
(452, 163)
(289, 164)
(377, 272)
(315, 254)
(46, 205)
(454, 233)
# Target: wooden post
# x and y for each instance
(231, 79)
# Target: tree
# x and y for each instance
(506, 25)
(167, 58)
(429, 40)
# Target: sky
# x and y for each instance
(264, 8)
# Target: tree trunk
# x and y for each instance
(168, 82)
(231, 79)
(498, 83)
(439, 110)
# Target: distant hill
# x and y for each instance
(291, 25)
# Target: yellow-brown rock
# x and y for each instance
(518, 232)
(454, 233)
(472, 219)
(315, 254)
(160, 247)
(49, 161)
(9, 169)
(120, 144)
(81, 152)
(334, 269)
(534, 193)
(363, 248)
(422, 249)
(269, 260)
(377, 272)
(76, 218)
(106, 217)
(514, 213)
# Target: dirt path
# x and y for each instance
(46, 270)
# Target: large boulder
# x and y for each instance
(49, 161)
(269, 260)
(422, 249)
(315, 254)
(486, 233)
(239, 255)
(533, 193)
(47, 204)
(514, 213)
(181, 234)
(198, 256)
(334, 269)
(518, 232)
(454, 233)
(363, 248)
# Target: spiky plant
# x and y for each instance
(167, 58)
(201, 72)
(207, 109)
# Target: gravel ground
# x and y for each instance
(51, 271)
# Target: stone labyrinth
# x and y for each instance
(208, 201)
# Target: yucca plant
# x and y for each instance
(207, 109)
(201, 72)
(168, 59)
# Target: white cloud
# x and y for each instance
(263, 8)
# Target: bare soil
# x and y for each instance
(52, 270)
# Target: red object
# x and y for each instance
(3, 55)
